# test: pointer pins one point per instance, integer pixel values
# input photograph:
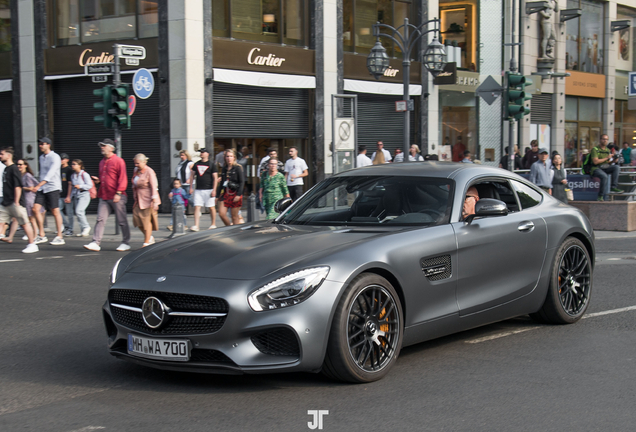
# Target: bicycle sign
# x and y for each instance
(143, 83)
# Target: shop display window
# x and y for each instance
(359, 17)
(584, 37)
(5, 26)
(625, 124)
(626, 49)
(458, 25)
(458, 126)
(275, 21)
(582, 128)
(82, 21)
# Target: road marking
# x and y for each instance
(614, 259)
(51, 257)
(514, 332)
(609, 312)
(89, 254)
(11, 260)
(88, 429)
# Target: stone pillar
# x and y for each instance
(187, 78)
(432, 117)
(557, 131)
(609, 69)
(28, 109)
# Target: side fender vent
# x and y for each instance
(437, 268)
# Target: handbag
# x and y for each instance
(569, 194)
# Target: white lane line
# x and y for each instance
(514, 332)
(51, 257)
(500, 335)
(88, 254)
(88, 429)
(11, 260)
(609, 312)
(614, 259)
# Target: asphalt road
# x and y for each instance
(55, 373)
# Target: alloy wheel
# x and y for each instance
(574, 280)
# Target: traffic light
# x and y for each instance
(106, 94)
(119, 113)
(516, 96)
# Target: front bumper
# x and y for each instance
(283, 340)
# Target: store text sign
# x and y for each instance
(585, 84)
(86, 58)
(270, 60)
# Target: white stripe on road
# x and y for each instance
(51, 257)
(89, 254)
(89, 429)
(514, 332)
(11, 260)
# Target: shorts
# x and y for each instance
(228, 200)
(202, 198)
(13, 211)
(49, 200)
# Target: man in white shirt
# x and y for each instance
(295, 169)
(387, 154)
(363, 160)
(47, 192)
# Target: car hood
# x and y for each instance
(246, 252)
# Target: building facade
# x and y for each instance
(259, 74)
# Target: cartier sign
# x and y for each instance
(86, 58)
(271, 60)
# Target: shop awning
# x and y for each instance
(5, 85)
(375, 87)
(263, 79)
(124, 72)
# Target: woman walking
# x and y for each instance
(146, 195)
(273, 187)
(230, 189)
(81, 196)
(28, 182)
(559, 180)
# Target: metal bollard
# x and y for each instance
(251, 208)
(177, 220)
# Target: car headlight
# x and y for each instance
(113, 273)
(288, 290)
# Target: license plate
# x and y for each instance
(159, 349)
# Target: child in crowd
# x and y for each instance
(178, 195)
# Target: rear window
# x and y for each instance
(528, 197)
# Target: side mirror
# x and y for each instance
(488, 207)
(282, 205)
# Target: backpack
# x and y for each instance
(93, 190)
(587, 164)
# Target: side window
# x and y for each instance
(528, 197)
(499, 190)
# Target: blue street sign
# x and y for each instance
(143, 83)
(632, 84)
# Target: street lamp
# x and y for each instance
(434, 58)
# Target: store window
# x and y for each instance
(625, 124)
(5, 26)
(359, 17)
(626, 53)
(584, 39)
(458, 127)
(582, 128)
(82, 21)
(458, 24)
(275, 21)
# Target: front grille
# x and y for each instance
(176, 302)
(277, 342)
(176, 325)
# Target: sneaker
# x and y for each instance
(31, 248)
(85, 232)
(2, 236)
(123, 247)
(58, 241)
(68, 233)
(617, 190)
(40, 240)
(194, 228)
(25, 237)
(92, 246)
(151, 242)
(169, 227)
(212, 227)
(599, 198)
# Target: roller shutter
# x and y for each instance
(541, 109)
(378, 121)
(6, 118)
(241, 111)
(76, 134)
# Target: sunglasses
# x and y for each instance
(20, 164)
(469, 196)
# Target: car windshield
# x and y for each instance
(374, 201)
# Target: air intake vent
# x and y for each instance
(437, 268)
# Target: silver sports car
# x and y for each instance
(366, 262)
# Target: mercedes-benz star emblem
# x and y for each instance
(153, 312)
(161, 278)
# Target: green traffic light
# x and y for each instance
(515, 96)
(119, 104)
(106, 94)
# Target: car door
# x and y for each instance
(499, 258)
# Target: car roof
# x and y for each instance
(425, 169)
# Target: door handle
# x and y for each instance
(526, 226)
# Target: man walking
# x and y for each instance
(48, 192)
(204, 171)
(112, 196)
(532, 156)
(66, 206)
(605, 165)
(363, 160)
(541, 172)
(12, 205)
(387, 154)
(295, 169)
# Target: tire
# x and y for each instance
(570, 285)
(366, 333)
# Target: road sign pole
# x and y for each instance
(116, 82)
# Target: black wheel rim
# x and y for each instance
(373, 328)
(574, 280)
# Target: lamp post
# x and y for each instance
(406, 38)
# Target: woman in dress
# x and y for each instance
(559, 180)
(146, 195)
(81, 195)
(273, 187)
(230, 189)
